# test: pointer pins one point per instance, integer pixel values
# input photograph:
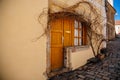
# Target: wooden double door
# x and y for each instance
(61, 35)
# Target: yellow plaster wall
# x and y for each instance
(22, 58)
(79, 58)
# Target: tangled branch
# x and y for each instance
(93, 20)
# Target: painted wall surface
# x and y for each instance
(79, 58)
(22, 56)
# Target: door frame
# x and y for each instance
(56, 46)
(48, 69)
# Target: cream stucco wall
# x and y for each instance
(22, 58)
(79, 58)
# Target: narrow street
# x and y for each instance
(107, 69)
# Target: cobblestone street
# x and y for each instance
(107, 69)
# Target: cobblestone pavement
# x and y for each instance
(107, 69)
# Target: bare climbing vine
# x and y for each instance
(93, 19)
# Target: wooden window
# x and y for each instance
(80, 33)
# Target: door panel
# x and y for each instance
(56, 44)
(68, 26)
(84, 34)
(57, 58)
(61, 36)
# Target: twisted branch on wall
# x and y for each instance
(42, 15)
(94, 25)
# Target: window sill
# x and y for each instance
(77, 48)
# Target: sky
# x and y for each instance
(117, 7)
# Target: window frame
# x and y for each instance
(81, 38)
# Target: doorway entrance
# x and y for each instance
(61, 31)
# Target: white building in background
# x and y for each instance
(117, 26)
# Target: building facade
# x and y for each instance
(43, 38)
(110, 12)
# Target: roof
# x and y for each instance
(117, 22)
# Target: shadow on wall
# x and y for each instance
(0, 0)
(1, 77)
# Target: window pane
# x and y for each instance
(76, 24)
(80, 33)
(76, 32)
(80, 25)
(80, 41)
(75, 41)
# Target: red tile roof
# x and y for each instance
(117, 22)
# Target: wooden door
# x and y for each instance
(84, 34)
(68, 32)
(56, 44)
(61, 36)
